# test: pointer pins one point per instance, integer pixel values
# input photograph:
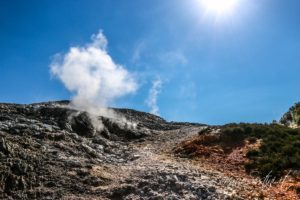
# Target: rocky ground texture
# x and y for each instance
(51, 151)
(292, 117)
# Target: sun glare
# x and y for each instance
(219, 7)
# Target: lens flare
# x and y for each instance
(219, 7)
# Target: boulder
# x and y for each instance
(82, 125)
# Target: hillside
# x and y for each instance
(52, 151)
(292, 117)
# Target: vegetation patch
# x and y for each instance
(292, 117)
(277, 154)
(279, 150)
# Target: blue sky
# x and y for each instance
(242, 67)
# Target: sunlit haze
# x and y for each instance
(219, 7)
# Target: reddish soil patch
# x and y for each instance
(229, 157)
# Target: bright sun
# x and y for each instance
(219, 7)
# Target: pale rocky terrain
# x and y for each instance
(292, 117)
(51, 151)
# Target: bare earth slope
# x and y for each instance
(50, 151)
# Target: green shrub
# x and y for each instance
(252, 153)
(252, 140)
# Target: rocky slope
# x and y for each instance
(51, 151)
(292, 117)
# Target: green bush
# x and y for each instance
(252, 153)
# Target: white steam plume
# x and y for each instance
(91, 74)
(152, 97)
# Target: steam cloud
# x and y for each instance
(152, 97)
(91, 74)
